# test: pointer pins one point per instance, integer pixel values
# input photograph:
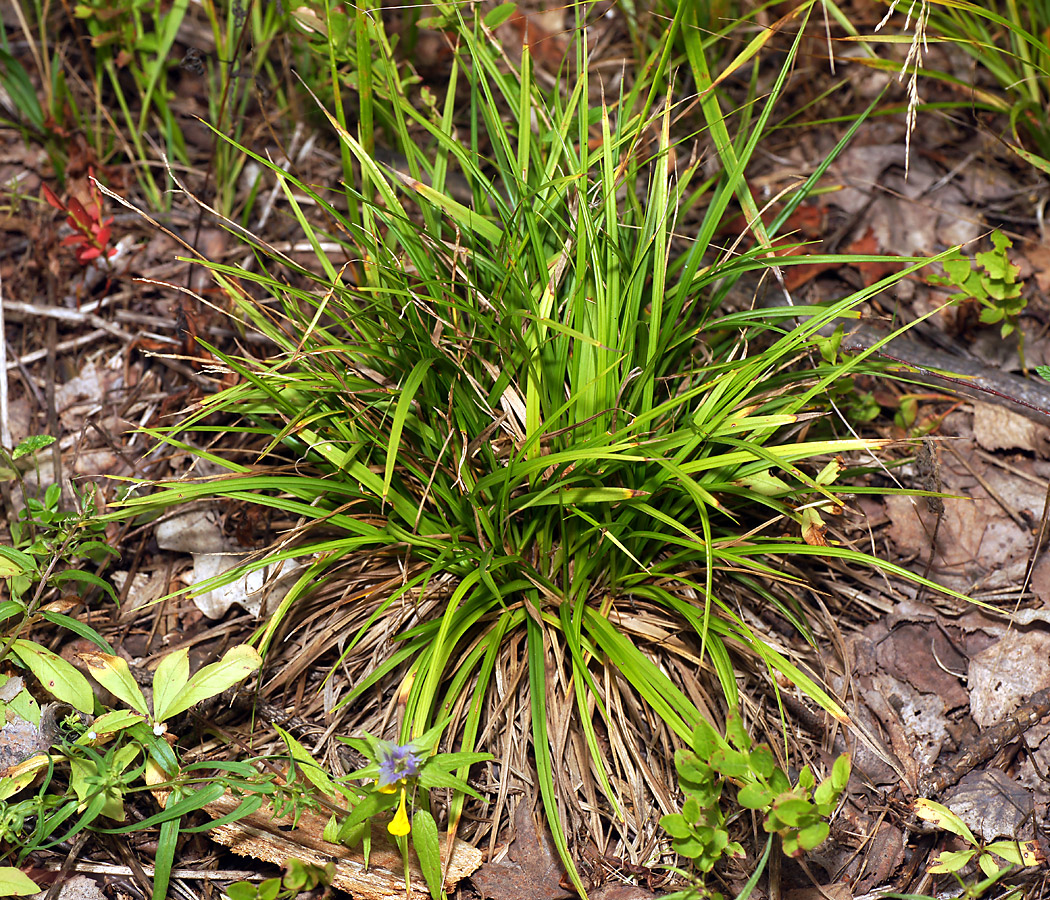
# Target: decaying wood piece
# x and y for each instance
(274, 839)
(990, 741)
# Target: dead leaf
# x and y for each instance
(992, 805)
(1039, 257)
(883, 855)
(997, 428)
(1008, 672)
(532, 870)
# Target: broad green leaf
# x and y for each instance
(107, 723)
(301, 877)
(943, 818)
(32, 444)
(705, 739)
(806, 778)
(56, 675)
(242, 890)
(1019, 853)
(737, 733)
(840, 772)
(764, 484)
(431, 777)
(812, 836)
(113, 674)
(20, 776)
(824, 793)
(754, 796)
(236, 664)
(676, 825)
(731, 763)
(499, 14)
(952, 862)
(15, 883)
(88, 578)
(170, 678)
(428, 849)
(15, 562)
(988, 865)
(791, 810)
(762, 762)
(89, 786)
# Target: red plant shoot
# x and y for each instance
(91, 233)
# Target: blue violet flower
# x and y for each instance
(397, 762)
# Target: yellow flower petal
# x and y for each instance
(399, 825)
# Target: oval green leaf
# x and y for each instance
(15, 883)
(113, 674)
(428, 849)
(171, 677)
(236, 665)
(56, 675)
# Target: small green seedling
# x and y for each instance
(108, 757)
(174, 690)
(299, 877)
(1016, 853)
(43, 531)
(797, 813)
(994, 283)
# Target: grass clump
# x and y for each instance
(534, 402)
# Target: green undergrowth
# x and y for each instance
(551, 392)
(539, 393)
(108, 71)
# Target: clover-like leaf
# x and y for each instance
(840, 772)
(762, 762)
(812, 836)
(737, 733)
(790, 810)
(825, 796)
(730, 763)
(754, 796)
(242, 890)
(676, 825)
(705, 740)
(806, 778)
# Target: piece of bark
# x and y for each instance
(274, 839)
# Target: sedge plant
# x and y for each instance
(536, 403)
